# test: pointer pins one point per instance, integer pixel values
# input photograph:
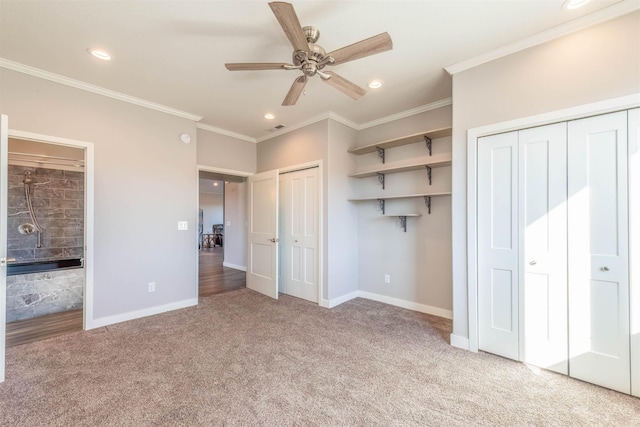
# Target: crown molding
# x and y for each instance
(46, 75)
(57, 78)
(225, 132)
(407, 113)
(614, 11)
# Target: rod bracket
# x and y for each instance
(429, 173)
(403, 222)
(381, 179)
(427, 140)
(380, 153)
(427, 201)
(381, 205)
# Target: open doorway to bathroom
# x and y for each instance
(222, 233)
(45, 240)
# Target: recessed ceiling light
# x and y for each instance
(269, 116)
(574, 4)
(100, 54)
(375, 84)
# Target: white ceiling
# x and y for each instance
(173, 52)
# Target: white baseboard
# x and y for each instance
(422, 308)
(459, 342)
(337, 301)
(131, 315)
(234, 266)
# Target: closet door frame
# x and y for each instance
(582, 111)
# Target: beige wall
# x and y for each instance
(145, 182)
(594, 64)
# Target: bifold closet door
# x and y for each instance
(300, 233)
(542, 199)
(498, 272)
(598, 251)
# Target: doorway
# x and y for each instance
(46, 238)
(221, 232)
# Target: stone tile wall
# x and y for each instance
(58, 200)
(37, 294)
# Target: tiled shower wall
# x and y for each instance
(58, 200)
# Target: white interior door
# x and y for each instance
(598, 251)
(543, 230)
(4, 188)
(262, 257)
(300, 234)
(498, 245)
(634, 245)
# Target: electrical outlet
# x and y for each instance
(152, 286)
(387, 278)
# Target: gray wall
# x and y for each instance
(145, 182)
(225, 152)
(341, 228)
(594, 64)
(418, 261)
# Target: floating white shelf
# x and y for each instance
(401, 196)
(404, 167)
(411, 139)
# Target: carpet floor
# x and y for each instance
(242, 359)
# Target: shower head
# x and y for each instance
(27, 177)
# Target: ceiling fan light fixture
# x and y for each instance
(375, 84)
(269, 116)
(574, 4)
(100, 54)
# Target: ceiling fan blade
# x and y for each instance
(248, 66)
(289, 22)
(345, 86)
(366, 47)
(296, 89)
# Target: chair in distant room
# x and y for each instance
(218, 232)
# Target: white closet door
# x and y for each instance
(598, 251)
(543, 232)
(301, 234)
(498, 244)
(634, 247)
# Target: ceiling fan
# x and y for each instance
(311, 58)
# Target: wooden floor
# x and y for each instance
(43, 327)
(213, 278)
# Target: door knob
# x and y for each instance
(605, 268)
(273, 240)
(532, 262)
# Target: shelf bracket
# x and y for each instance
(403, 222)
(380, 153)
(429, 173)
(427, 201)
(427, 140)
(381, 179)
(381, 205)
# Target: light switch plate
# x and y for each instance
(183, 225)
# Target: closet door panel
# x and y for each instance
(543, 228)
(498, 330)
(634, 245)
(598, 251)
